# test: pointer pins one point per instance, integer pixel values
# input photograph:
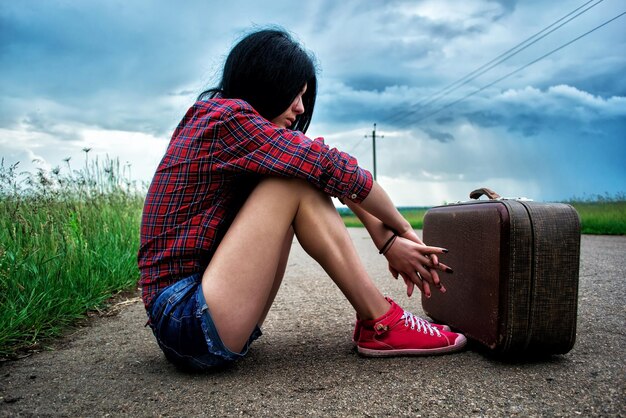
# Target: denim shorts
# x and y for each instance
(184, 329)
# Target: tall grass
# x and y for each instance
(602, 214)
(68, 241)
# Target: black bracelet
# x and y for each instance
(388, 244)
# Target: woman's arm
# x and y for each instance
(378, 204)
(251, 144)
(407, 255)
(378, 231)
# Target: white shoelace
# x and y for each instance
(419, 324)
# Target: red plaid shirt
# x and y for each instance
(217, 154)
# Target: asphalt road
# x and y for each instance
(305, 365)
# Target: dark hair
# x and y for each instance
(268, 69)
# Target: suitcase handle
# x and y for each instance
(476, 194)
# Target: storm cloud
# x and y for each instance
(118, 76)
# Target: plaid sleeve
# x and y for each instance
(254, 145)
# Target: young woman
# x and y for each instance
(238, 180)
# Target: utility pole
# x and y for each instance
(374, 147)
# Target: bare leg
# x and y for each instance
(280, 273)
(240, 282)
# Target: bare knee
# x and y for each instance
(277, 181)
(292, 186)
(293, 193)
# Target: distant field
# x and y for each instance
(414, 215)
(599, 217)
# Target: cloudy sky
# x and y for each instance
(117, 76)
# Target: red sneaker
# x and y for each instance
(359, 324)
(400, 333)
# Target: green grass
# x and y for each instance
(602, 216)
(68, 242)
(599, 215)
(415, 216)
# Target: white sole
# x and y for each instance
(460, 342)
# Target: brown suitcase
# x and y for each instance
(515, 282)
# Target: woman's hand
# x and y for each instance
(416, 262)
(408, 256)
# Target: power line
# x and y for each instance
(493, 63)
(355, 146)
(516, 71)
(489, 67)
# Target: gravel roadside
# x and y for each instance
(304, 364)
